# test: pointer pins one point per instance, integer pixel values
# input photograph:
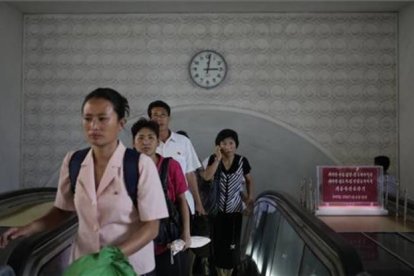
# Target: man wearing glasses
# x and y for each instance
(181, 149)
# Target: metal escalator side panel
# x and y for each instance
(32, 253)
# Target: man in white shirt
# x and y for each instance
(181, 149)
(390, 182)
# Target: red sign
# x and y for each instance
(349, 184)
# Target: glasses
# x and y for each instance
(159, 116)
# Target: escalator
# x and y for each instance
(385, 243)
(280, 239)
(283, 239)
(46, 253)
(384, 253)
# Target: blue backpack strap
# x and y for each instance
(131, 173)
(75, 163)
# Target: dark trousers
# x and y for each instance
(164, 267)
(225, 239)
(152, 273)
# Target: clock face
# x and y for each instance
(208, 69)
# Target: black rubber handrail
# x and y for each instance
(11, 202)
(300, 220)
(16, 193)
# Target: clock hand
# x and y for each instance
(208, 63)
(211, 69)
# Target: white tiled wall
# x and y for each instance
(330, 77)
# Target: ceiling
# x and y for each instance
(205, 6)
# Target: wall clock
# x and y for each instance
(207, 68)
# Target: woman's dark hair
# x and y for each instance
(227, 133)
(119, 102)
(144, 123)
(158, 104)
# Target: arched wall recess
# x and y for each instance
(279, 155)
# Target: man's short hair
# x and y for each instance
(158, 103)
(383, 161)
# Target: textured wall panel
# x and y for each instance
(332, 77)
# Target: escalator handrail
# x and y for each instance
(348, 256)
(10, 202)
(16, 193)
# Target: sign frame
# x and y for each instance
(350, 190)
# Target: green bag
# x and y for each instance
(110, 261)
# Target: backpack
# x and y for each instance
(131, 173)
(170, 227)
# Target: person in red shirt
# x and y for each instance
(145, 135)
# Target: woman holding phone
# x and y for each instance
(230, 171)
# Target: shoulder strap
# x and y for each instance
(218, 171)
(164, 177)
(164, 174)
(75, 163)
(131, 173)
